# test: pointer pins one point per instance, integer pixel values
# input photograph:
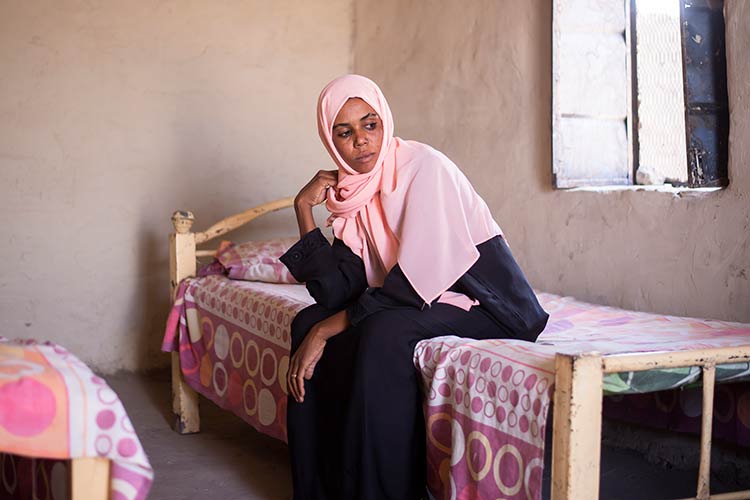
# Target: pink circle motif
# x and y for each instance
(444, 390)
(126, 424)
(127, 447)
(523, 423)
(518, 377)
(510, 468)
(512, 418)
(459, 395)
(485, 365)
(491, 389)
(97, 380)
(500, 414)
(525, 402)
(530, 381)
(542, 386)
(514, 397)
(481, 384)
(536, 407)
(27, 407)
(489, 409)
(507, 372)
(502, 394)
(105, 419)
(103, 445)
(106, 395)
(476, 404)
(465, 357)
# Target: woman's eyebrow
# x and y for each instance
(368, 115)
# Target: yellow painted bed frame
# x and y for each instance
(577, 404)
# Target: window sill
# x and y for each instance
(662, 188)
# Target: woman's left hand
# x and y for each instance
(302, 364)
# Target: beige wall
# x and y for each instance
(473, 79)
(114, 114)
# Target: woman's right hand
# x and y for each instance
(314, 192)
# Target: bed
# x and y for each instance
(486, 402)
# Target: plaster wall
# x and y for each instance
(115, 114)
(474, 80)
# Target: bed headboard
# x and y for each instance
(183, 242)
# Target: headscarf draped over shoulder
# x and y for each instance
(414, 208)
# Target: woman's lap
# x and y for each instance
(363, 402)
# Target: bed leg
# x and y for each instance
(577, 426)
(184, 401)
(181, 265)
(89, 478)
(704, 471)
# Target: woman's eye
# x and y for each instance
(346, 134)
(371, 126)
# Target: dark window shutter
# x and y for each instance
(706, 101)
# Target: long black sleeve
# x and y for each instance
(333, 274)
(396, 293)
(495, 280)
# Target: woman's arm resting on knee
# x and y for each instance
(302, 364)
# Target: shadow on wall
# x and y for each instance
(541, 32)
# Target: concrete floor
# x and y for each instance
(229, 460)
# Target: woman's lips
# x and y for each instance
(364, 157)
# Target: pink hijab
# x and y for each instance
(415, 208)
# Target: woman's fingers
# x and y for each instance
(290, 376)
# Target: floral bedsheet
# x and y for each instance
(52, 406)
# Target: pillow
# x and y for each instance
(257, 260)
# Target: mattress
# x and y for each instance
(486, 402)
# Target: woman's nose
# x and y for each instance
(360, 139)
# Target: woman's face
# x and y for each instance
(358, 135)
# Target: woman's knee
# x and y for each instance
(385, 338)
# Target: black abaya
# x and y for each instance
(359, 434)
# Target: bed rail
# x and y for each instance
(577, 421)
(182, 264)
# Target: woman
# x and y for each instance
(416, 255)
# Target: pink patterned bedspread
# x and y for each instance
(234, 341)
(486, 401)
(52, 406)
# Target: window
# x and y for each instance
(639, 93)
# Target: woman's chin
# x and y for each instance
(362, 167)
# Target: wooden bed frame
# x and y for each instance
(576, 444)
(90, 478)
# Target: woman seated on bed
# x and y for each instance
(416, 255)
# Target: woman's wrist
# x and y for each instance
(331, 326)
(305, 219)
